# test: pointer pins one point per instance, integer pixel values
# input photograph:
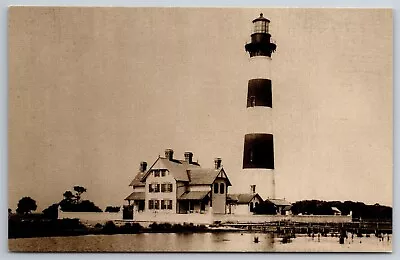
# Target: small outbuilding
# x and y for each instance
(242, 203)
(283, 207)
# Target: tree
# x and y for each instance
(112, 209)
(73, 203)
(68, 196)
(26, 205)
(79, 190)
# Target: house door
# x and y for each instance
(141, 205)
(183, 207)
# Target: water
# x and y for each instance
(200, 242)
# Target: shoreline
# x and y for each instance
(74, 227)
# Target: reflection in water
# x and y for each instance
(200, 242)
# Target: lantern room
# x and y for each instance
(261, 25)
(260, 44)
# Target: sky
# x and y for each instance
(94, 91)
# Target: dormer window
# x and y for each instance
(157, 173)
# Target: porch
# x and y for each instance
(194, 202)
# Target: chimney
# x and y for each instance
(189, 157)
(169, 154)
(253, 189)
(217, 162)
(143, 166)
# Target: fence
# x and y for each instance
(202, 218)
(275, 218)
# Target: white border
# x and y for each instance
(209, 3)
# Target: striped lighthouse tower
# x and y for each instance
(258, 152)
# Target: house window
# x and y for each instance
(163, 187)
(251, 207)
(169, 204)
(157, 188)
(215, 188)
(169, 187)
(156, 204)
(151, 204)
(151, 188)
(163, 173)
(163, 206)
(221, 188)
(255, 205)
(157, 173)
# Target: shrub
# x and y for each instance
(109, 227)
(98, 225)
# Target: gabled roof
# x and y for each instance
(181, 170)
(279, 202)
(177, 168)
(136, 196)
(243, 198)
(200, 176)
(136, 181)
(194, 195)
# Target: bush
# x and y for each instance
(51, 212)
(153, 226)
(98, 225)
(83, 206)
(109, 227)
(131, 228)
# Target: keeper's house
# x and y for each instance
(182, 187)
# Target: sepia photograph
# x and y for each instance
(171, 129)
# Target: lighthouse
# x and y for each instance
(258, 143)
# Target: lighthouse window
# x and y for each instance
(252, 101)
(259, 93)
(260, 27)
(258, 151)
